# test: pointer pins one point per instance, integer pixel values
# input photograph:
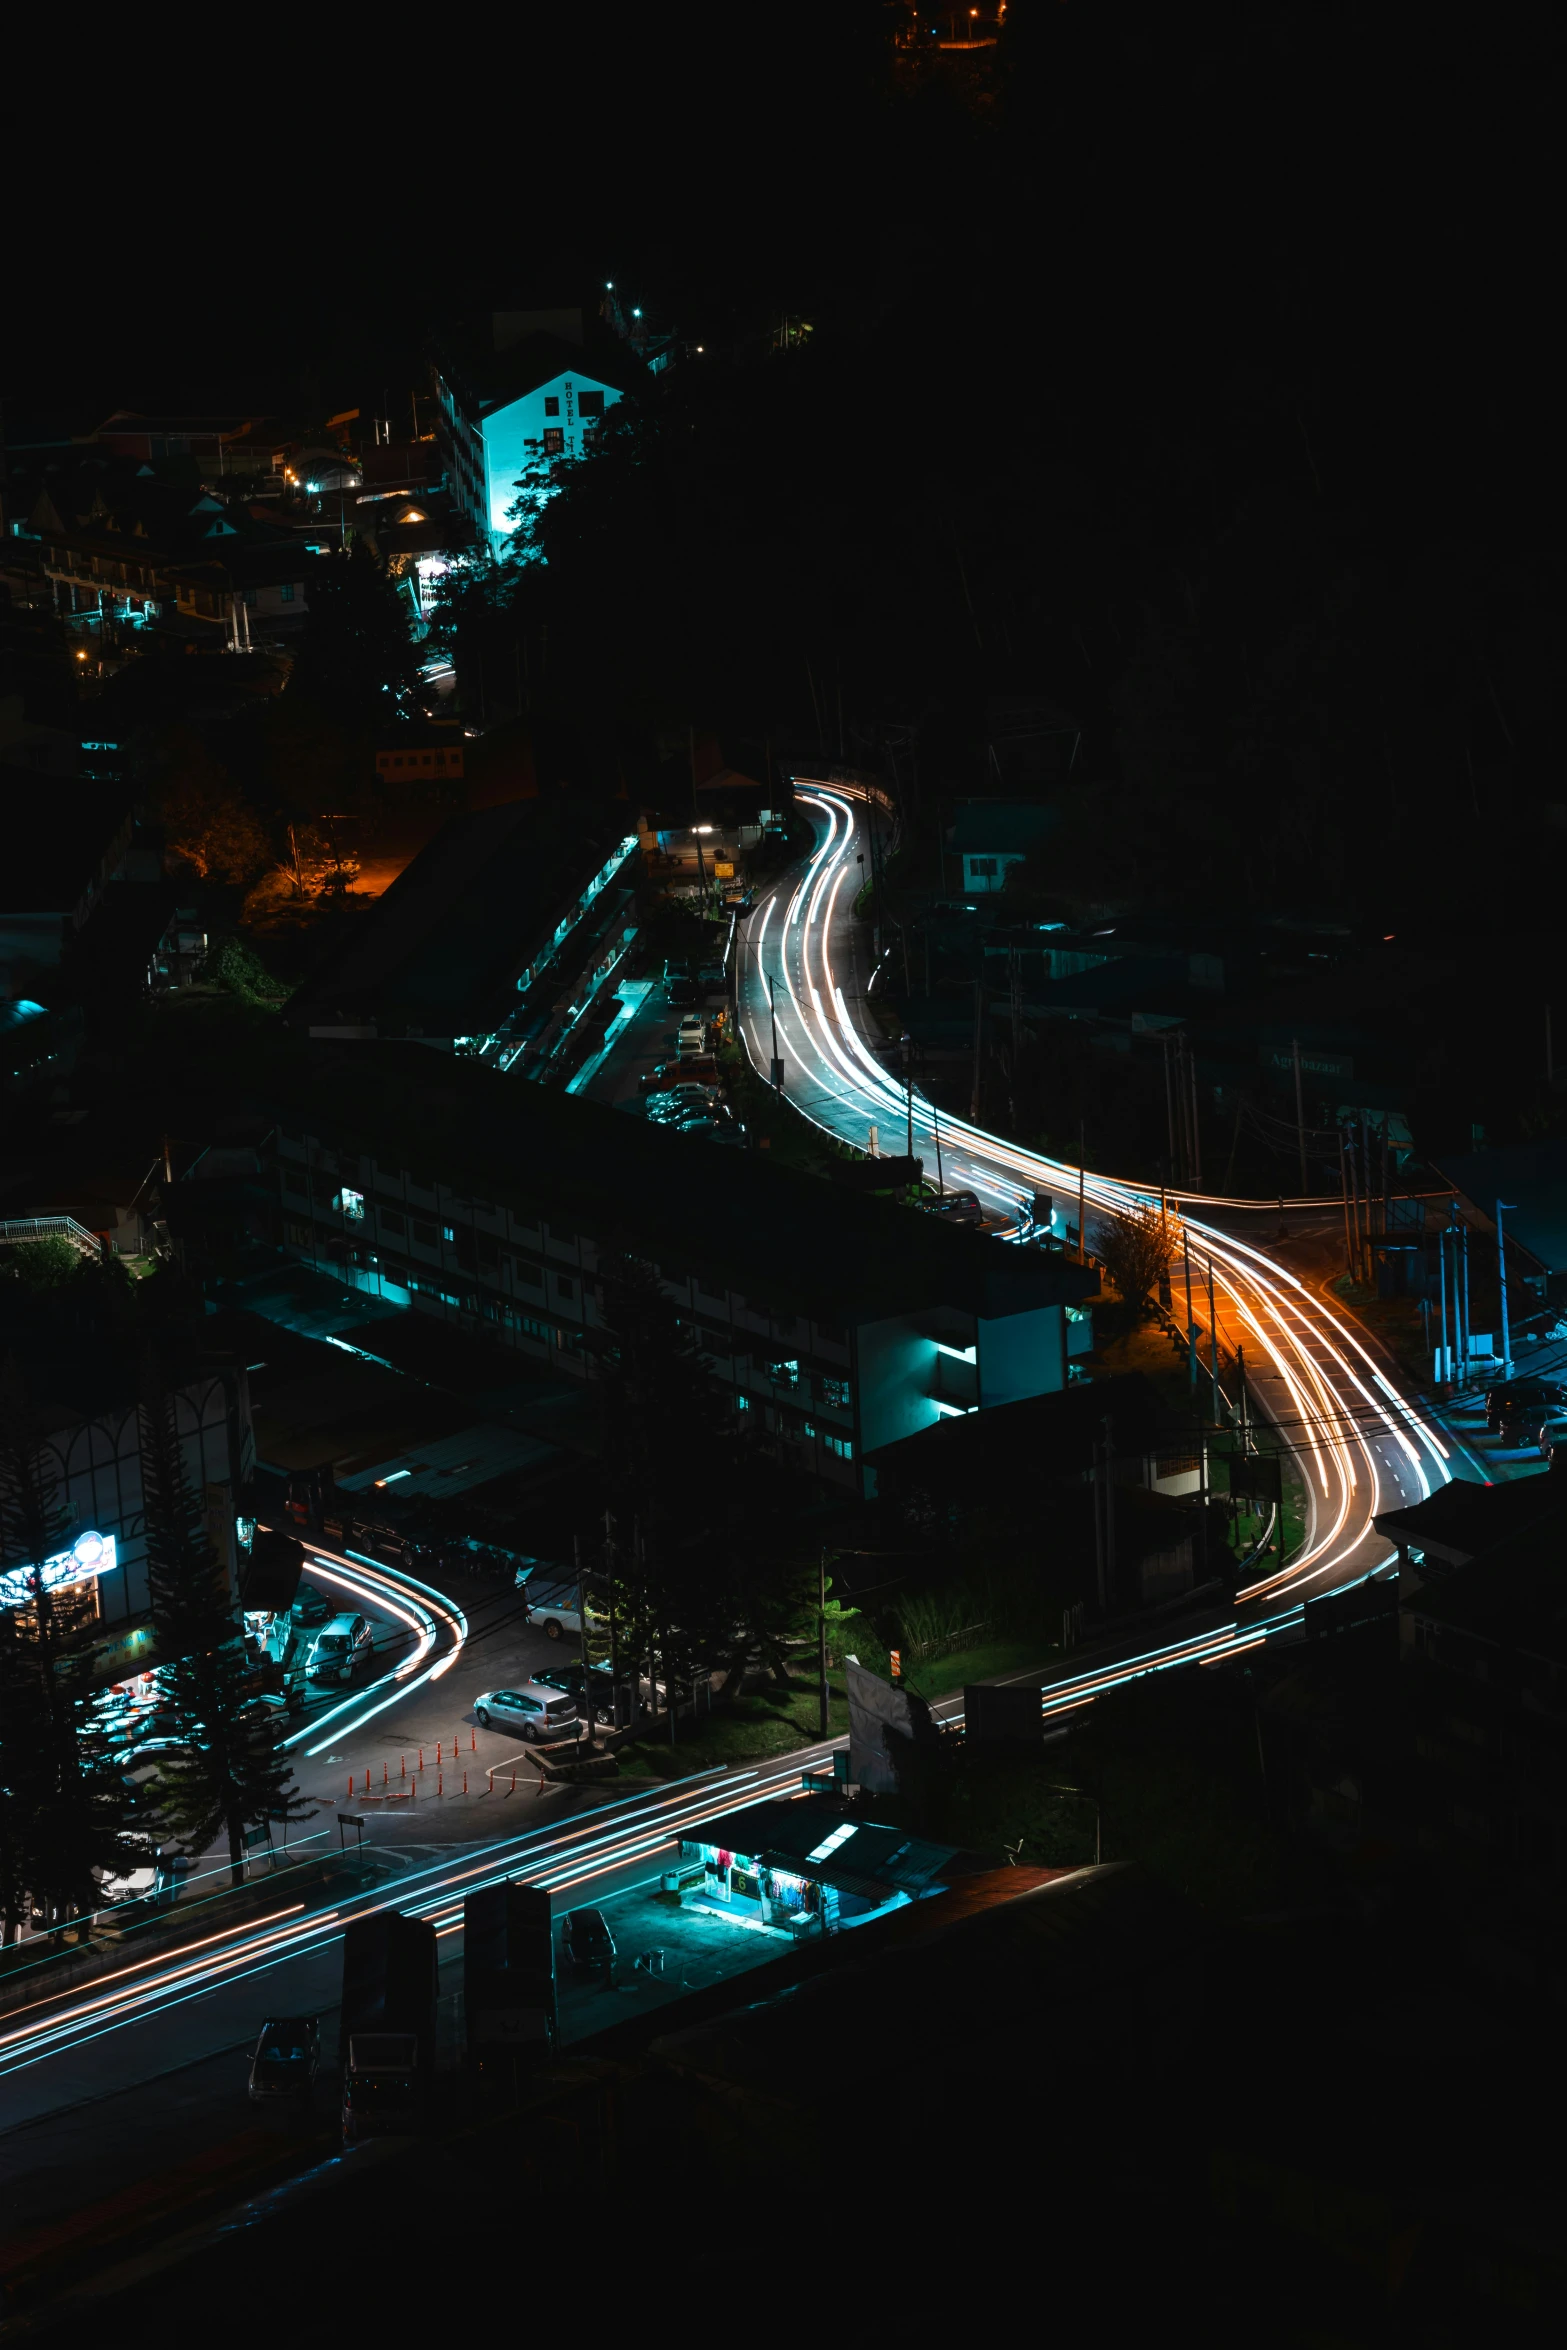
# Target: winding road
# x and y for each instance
(1360, 1444)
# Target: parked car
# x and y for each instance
(552, 1605)
(286, 2057)
(535, 1711)
(954, 1207)
(666, 1109)
(1499, 1401)
(589, 1942)
(684, 989)
(1519, 1418)
(311, 1606)
(697, 1116)
(1553, 1433)
(340, 1649)
(572, 1681)
(693, 1035)
(135, 1878)
(394, 1546)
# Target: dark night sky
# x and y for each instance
(1369, 207)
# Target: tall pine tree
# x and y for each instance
(226, 1770)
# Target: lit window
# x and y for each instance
(554, 441)
(352, 1204)
(841, 1446)
(448, 1232)
(286, 592)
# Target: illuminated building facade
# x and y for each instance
(841, 1322)
(520, 393)
(97, 1578)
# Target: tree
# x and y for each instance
(356, 654)
(206, 820)
(709, 1570)
(226, 1770)
(1137, 1247)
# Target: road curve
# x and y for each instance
(1361, 1445)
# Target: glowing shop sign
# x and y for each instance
(89, 1555)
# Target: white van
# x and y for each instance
(339, 1648)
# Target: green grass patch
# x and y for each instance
(775, 1722)
(985, 1661)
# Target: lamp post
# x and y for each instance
(1504, 1206)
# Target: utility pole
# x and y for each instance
(1240, 1393)
(1465, 1342)
(1109, 1436)
(1082, 1193)
(772, 1005)
(935, 1128)
(1441, 1258)
(1354, 1208)
(1191, 1325)
(979, 1023)
(1191, 1072)
(1507, 1207)
(821, 1637)
(1300, 1115)
(1169, 1097)
(582, 1635)
(614, 1650)
(908, 1085)
(1213, 1343)
(1343, 1176)
(696, 819)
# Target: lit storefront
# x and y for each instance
(810, 1866)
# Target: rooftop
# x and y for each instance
(808, 1247)
(502, 357)
(818, 1836)
(441, 950)
(1462, 1520)
(1510, 1596)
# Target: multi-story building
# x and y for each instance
(514, 394)
(118, 544)
(844, 1322)
(91, 1454)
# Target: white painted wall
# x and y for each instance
(510, 435)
